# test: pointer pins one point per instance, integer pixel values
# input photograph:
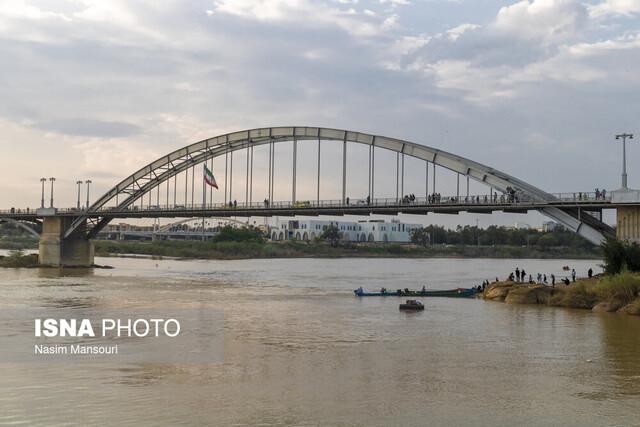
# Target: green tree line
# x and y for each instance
(497, 235)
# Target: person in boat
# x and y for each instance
(360, 290)
(383, 290)
(406, 290)
(424, 289)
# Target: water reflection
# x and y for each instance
(621, 347)
(53, 273)
(300, 349)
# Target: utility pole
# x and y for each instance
(52, 179)
(624, 137)
(42, 181)
(88, 182)
(79, 184)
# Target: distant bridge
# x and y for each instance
(152, 191)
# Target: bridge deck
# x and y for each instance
(446, 205)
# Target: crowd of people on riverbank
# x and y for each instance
(520, 276)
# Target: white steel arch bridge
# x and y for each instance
(133, 197)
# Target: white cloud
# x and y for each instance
(615, 7)
(303, 12)
(547, 20)
(454, 33)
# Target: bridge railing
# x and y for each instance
(431, 200)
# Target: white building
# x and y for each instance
(370, 230)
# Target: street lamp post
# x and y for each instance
(79, 184)
(42, 180)
(88, 182)
(52, 179)
(624, 137)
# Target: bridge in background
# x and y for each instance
(152, 192)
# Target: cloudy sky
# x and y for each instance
(96, 89)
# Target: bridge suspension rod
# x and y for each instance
(294, 171)
(226, 172)
(318, 182)
(273, 172)
(251, 178)
(402, 178)
(369, 176)
(426, 180)
(397, 176)
(246, 182)
(193, 181)
(373, 170)
(434, 178)
(344, 169)
(231, 177)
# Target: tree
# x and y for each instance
(332, 234)
(420, 236)
(620, 255)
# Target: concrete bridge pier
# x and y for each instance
(56, 251)
(628, 223)
(627, 217)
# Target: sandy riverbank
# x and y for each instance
(599, 294)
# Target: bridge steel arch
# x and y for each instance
(22, 225)
(135, 186)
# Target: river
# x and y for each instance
(300, 349)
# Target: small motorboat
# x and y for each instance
(412, 304)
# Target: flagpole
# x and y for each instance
(204, 196)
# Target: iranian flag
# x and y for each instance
(209, 178)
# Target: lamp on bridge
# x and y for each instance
(624, 137)
(627, 216)
(42, 181)
(79, 184)
(52, 179)
(88, 182)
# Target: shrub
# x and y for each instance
(623, 287)
(242, 234)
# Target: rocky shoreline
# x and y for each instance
(583, 293)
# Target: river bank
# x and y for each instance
(600, 294)
(293, 249)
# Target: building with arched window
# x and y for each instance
(369, 230)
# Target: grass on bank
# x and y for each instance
(288, 249)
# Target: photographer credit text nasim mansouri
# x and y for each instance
(84, 328)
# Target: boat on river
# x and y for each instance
(450, 293)
(412, 305)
